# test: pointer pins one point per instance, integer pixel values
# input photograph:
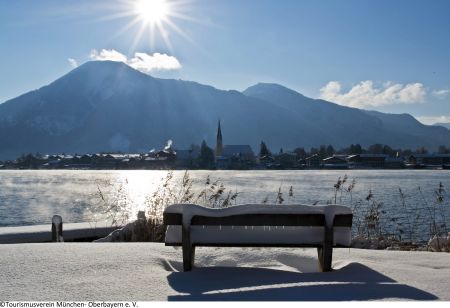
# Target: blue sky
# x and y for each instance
(392, 56)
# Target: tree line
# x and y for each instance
(206, 157)
(324, 151)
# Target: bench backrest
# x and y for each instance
(340, 220)
(227, 227)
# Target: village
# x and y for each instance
(239, 157)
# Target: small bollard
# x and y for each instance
(57, 230)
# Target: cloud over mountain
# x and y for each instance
(146, 63)
(73, 63)
(430, 120)
(366, 94)
(143, 62)
(107, 55)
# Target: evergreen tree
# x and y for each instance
(330, 150)
(301, 153)
(443, 150)
(406, 153)
(264, 151)
(27, 161)
(313, 151)
(323, 151)
(355, 149)
(388, 151)
(375, 149)
(422, 150)
(206, 156)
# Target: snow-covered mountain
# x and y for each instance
(108, 106)
(340, 126)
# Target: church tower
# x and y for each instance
(219, 144)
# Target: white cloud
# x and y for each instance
(429, 120)
(73, 63)
(366, 94)
(441, 94)
(107, 55)
(146, 63)
(141, 61)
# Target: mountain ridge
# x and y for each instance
(109, 106)
(446, 125)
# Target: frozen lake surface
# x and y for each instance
(32, 197)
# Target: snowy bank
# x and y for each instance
(151, 271)
(43, 233)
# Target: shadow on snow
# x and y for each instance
(351, 282)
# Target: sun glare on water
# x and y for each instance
(152, 11)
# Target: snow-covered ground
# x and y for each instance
(151, 271)
(42, 233)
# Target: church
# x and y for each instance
(232, 156)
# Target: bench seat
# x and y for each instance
(256, 225)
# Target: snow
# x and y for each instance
(43, 233)
(152, 271)
(260, 235)
(190, 210)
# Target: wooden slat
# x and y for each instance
(255, 245)
(172, 219)
(261, 220)
(343, 220)
(249, 245)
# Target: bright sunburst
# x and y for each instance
(152, 11)
(154, 19)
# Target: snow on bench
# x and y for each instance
(256, 225)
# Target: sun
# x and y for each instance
(154, 19)
(152, 11)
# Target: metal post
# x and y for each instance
(57, 231)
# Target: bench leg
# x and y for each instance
(320, 258)
(188, 258)
(325, 255)
(188, 250)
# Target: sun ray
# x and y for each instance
(157, 19)
(128, 26)
(165, 36)
(152, 36)
(116, 16)
(178, 30)
(137, 37)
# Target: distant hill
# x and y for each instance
(340, 126)
(446, 125)
(108, 106)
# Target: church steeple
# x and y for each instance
(219, 144)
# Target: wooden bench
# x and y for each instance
(323, 227)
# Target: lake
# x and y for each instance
(29, 197)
